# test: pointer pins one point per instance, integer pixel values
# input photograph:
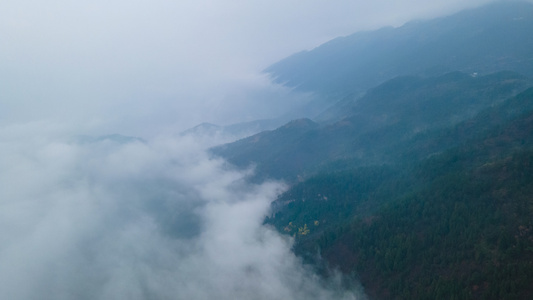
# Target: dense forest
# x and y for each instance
(456, 225)
(420, 187)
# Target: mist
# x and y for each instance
(84, 215)
(154, 219)
(142, 68)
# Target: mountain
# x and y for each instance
(115, 138)
(264, 149)
(204, 129)
(418, 182)
(478, 41)
(456, 224)
(392, 113)
(237, 130)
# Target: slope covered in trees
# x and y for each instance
(456, 225)
(391, 114)
(421, 186)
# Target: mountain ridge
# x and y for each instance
(376, 120)
(418, 182)
(482, 40)
(454, 224)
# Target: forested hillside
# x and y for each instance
(456, 225)
(389, 115)
(418, 182)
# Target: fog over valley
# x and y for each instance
(138, 220)
(110, 187)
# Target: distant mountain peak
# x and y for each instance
(480, 41)
(300, 123)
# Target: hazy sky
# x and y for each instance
(129, 65)
(83, 218)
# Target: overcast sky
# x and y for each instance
(84, 218)
(128, 65)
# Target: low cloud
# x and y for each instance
(121, 65)
(159, 219)
(154, 219)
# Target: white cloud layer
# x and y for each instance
(122, 64)
(155, 220)
(99, 219)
